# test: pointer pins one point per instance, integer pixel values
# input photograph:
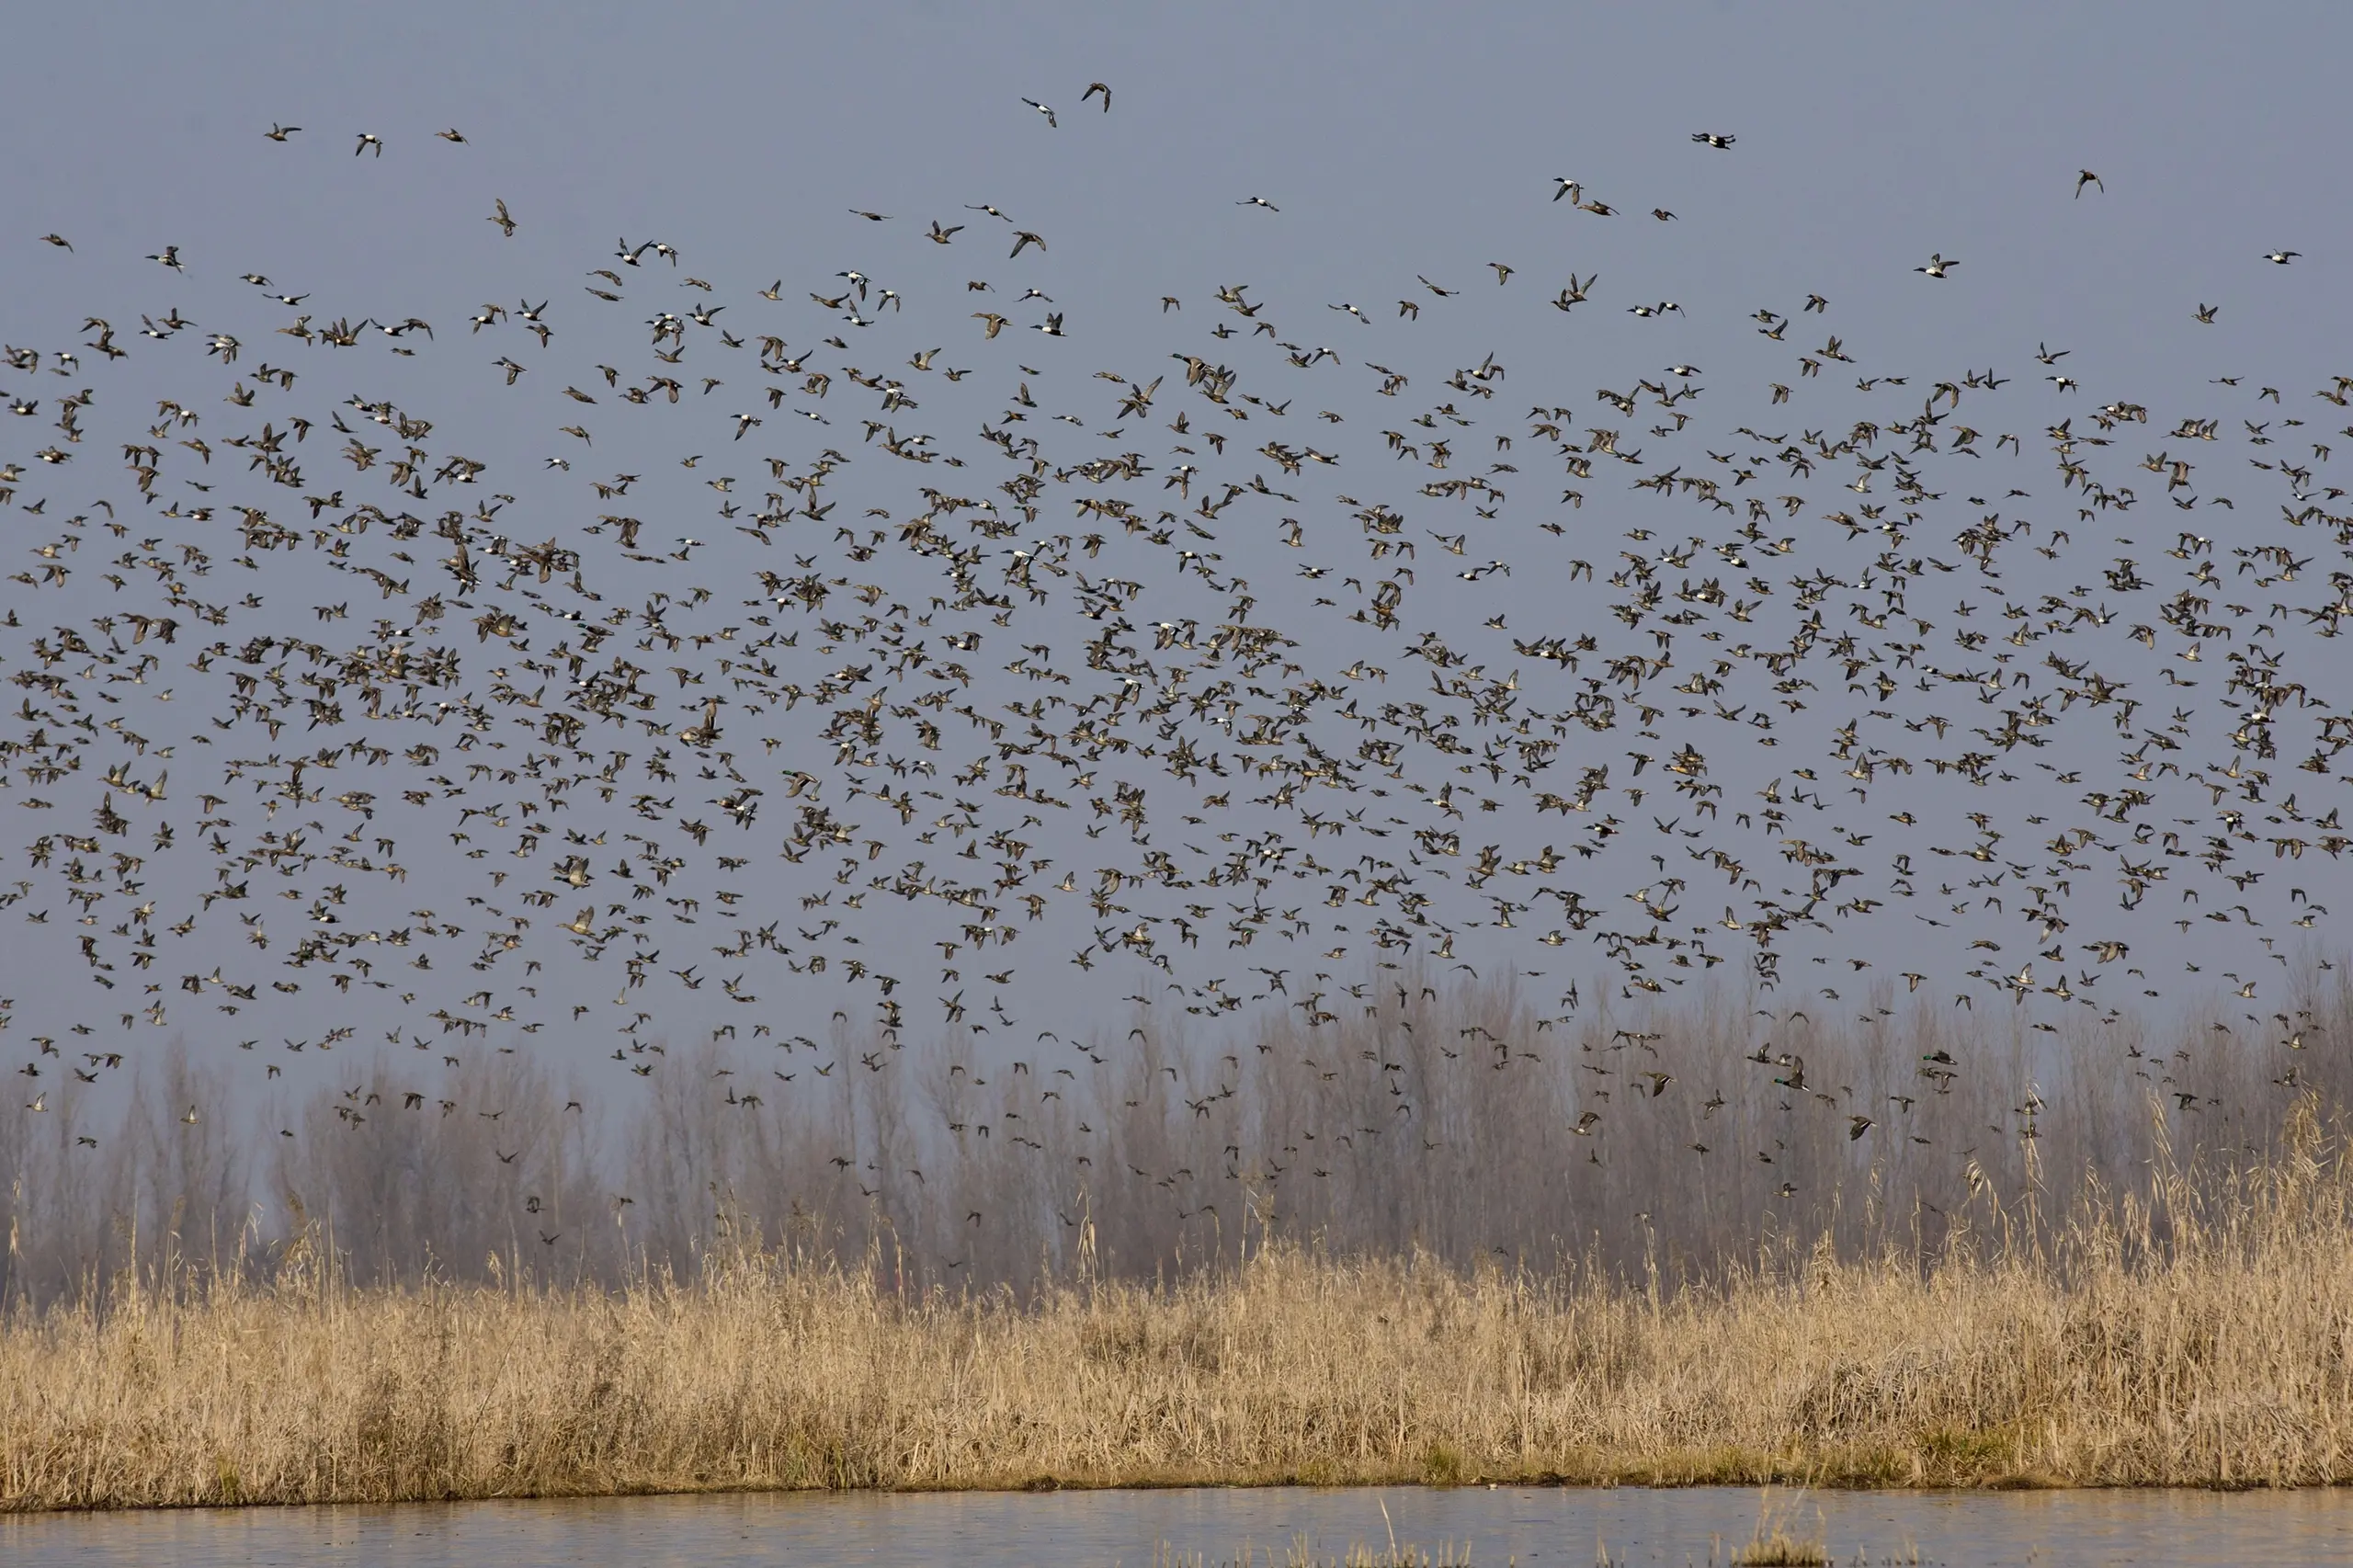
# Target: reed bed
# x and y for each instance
(2200, 1336)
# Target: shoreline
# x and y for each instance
(1044, 1485)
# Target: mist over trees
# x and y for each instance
(1439, 1121)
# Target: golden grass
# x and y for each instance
(1301, 1554)
(1774, 1545)
(2203, 1343)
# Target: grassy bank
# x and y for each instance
(2205, 1339)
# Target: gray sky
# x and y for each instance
(1397, 142)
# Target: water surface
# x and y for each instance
(1083, 1529)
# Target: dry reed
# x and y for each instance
(2203, 1335)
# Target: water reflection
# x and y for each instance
(1086, 1530)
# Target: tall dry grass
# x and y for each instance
(2200, 1335)
(1378, 1248)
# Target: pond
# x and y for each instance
(1083, 1530)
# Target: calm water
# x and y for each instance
(1083, 1529)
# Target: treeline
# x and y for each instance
(1442, 1121)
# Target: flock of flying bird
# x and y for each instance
(1713, 695)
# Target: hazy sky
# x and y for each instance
(1396, 142)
